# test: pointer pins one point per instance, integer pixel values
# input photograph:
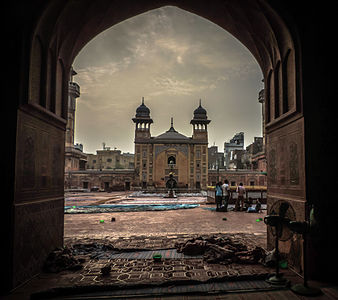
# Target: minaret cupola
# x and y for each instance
(200, 122)
(142, 121)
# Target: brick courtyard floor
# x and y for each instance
(160, 223)
(135, 233)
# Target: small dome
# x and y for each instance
(200, 112)
(142, 110)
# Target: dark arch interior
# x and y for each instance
(44, 37)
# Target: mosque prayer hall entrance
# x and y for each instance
(171, 158)
(44, 38)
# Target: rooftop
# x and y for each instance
(171, 134)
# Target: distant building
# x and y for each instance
(258, 162)
(256, 146)
(238, 160)
(215, 158)
(106, 159)
(253, 157)
(256, 155)
(236, 143)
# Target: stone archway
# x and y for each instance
(53, 36)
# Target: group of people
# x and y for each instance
(222, 196)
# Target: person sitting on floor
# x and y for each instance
(258, 207)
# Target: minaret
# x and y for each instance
(142, 122)
(75, 159)
(200, 147)
(74, 92)
(199, 123)
(261, 99)
(142, 161)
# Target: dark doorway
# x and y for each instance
(171, 160)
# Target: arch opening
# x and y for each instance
(275, 94)
(75, 23)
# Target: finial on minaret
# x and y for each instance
(172, 122)
(142, 100)
(200, 102)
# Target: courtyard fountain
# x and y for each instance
(171, 183)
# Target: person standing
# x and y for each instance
(240, 198)
(226, 194)
(218, 195)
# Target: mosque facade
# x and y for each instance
(156, 157)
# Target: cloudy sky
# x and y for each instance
(172, 58)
